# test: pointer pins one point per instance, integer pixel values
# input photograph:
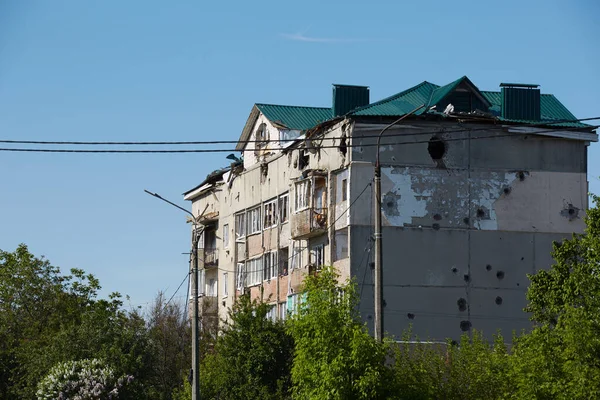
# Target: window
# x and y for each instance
(240, 276)
(201, 280)
(344, 189)
(254, 271)
(225, 283)
(292, 304)
(270, 214)
(270, 266)
(283, 261)
(341, 244)
(226, 235)
(240, 227)
(317, 255)
(253, 220)
(262, 135)
(211, 288)
(297, 258)
(302, 195)
(272, 313)
(284, 206)
(282, 311)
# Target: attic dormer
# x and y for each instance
(462, 94)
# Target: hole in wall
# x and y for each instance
(437, 217)
(462, 304)
(521, 175)
(498, 300)
(480, 213)
(454, 269)
(506, 190)
(488, 267)
(466, 220)
(410, 316)
(436, 148)
(436, 227)
(467, 278)
(465, 325)
(500, 274)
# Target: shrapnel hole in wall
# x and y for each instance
(436, 148)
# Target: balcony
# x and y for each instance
(211, 258)
(208, 306)
(308, 223)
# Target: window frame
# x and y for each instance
(317, 253)
(302, 194)
(283, 208)
(271, 206)
(226, 236)
(270, 265)
(253, 223)
(240, 226)
(225, 284)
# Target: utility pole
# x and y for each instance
(195, 320)
(378, 236)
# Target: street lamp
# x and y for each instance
(195, 349)
(377, 234)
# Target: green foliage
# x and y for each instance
(183, 392)
(169, 349)
(252, 356)
(83, 379)
(335, 357)
(471, 369)
(560, 358)
(47, 318)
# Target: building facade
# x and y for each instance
(476, 186)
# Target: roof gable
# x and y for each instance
(400, 103)
(284, 117)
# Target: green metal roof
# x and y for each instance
(399, 104)
(429, 94)
(295, 117)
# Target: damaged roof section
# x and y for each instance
(213, 179)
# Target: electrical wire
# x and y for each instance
(179, 287)
(211, 142)
(171, 151)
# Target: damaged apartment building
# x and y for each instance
(476, 186)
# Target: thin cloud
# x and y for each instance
(300, 37)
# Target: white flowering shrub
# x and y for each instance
(82, 380)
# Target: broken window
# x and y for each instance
(341, 244)
(297, 257)
(226, 235)
(302, 195)
(253, 220)
(303, 159)
(317, 256)
(283, 261)
(240, 276)
(240, 227)
(270, 266)
(262, 135)
(284, 208)
(270, 214)
(344, 189)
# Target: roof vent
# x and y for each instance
(520, 101)
(347, 97)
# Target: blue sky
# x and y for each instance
(191, 70)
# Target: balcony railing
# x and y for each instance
(308, 223)
(211, 257)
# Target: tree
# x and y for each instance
(335, 357)
(84, 379)
(252, 357)
(47, 318)
(169, 334)
(560, 358)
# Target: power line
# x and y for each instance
(179, 287)
(211, 142)
(120, 151)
